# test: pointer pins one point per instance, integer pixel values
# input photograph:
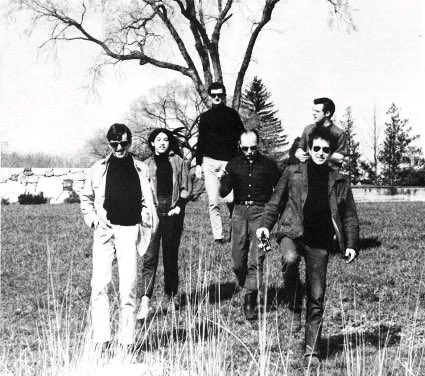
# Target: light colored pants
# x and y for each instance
(109, 239)
(211, 167)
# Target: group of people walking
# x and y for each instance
(133, 206)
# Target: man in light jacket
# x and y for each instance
(118, 203)
(315, 203)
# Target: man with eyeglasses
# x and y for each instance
(118, 204)
(252, 176)
(313, 202)
(323, 110)
(219, 129)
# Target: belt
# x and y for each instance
(250, 203)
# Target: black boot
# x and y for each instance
(250, 306)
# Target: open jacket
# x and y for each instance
(288, 202)
(93, 197)
(181, 179)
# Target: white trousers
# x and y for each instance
(109, 239)
(211, 167)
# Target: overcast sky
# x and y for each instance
(299, 57)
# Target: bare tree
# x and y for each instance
(178, 35)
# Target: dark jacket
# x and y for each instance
(288, 202)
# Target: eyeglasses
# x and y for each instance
(114, 144)
(246, 148)
(325, 149)
(217, 95)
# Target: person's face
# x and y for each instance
(318, 115)
(161, 143)
(319, 151)
(249, 145)
(120, 148)
(217, 97)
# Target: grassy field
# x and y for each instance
(374, 318)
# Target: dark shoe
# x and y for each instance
(312, 362)
(250, 307)
(219, 241)
(104, 349)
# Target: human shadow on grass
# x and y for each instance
(214, 293)
(370, 242)
(379, 336)
(151, 339)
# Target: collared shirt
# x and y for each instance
(250, 181)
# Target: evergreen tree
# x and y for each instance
(351, 165)
(256, 99)
(395, 147)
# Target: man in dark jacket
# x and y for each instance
(219, 130)
(252, 176)
(316, 204)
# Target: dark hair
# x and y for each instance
(328, 105)
(216, 86)
(174, 144)
(248, 131)
(324, 134)
(116, 131)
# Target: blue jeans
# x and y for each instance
(248, 258)
(316, 263)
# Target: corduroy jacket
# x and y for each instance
(181, 179)
(288, 199)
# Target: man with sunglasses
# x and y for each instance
(117, 202)
(219, 129)
(323, 110)
(313, 202)
(252, 176)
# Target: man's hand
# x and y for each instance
(302, 155)
(174, 211)
(262, 231)
(350, 254)
(337, 157)
(221, 173)
(146, 218)
(198, 171)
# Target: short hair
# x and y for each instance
(248, 131)
(328, 105)
(324, 134)
(116, 132)
(174, 144)
(216, 86)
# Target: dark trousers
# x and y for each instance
(316, 263)
(247, 257)
(169, 231)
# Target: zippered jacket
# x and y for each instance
(287, 203)
(93, 197)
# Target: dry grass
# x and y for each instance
(374, 319)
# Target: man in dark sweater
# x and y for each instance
(219, 130)
(314, 203)
(118, 204)
(252, 177)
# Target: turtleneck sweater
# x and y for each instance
(123, 194)
(318, 227)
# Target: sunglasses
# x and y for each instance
(246, 148)
(114, 144)
(325, 149)
(220, 95)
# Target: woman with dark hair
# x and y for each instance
(169, 177)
